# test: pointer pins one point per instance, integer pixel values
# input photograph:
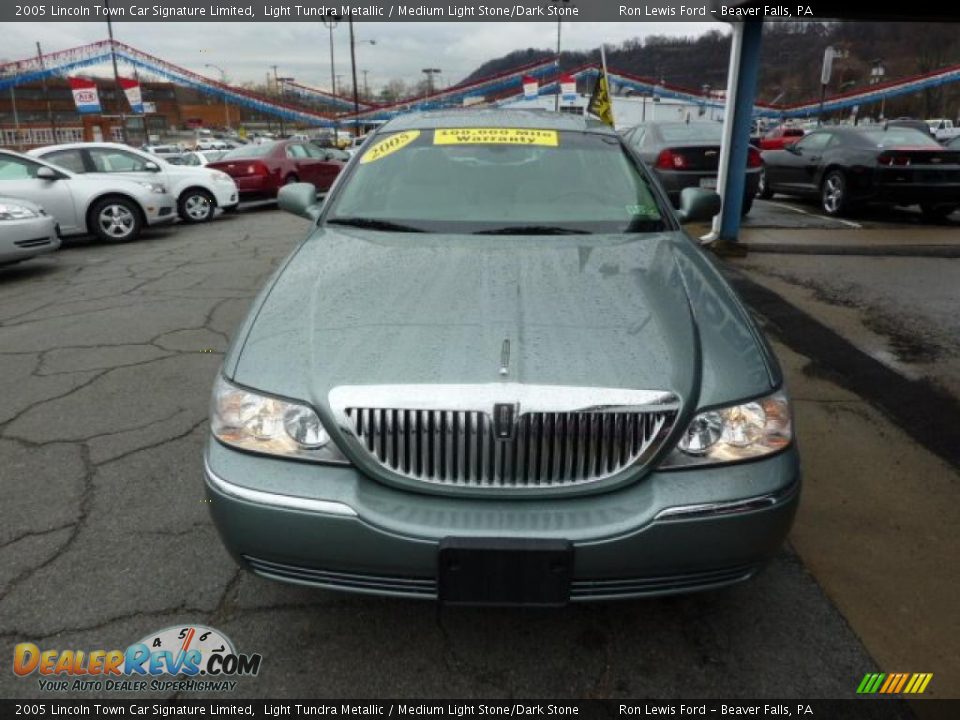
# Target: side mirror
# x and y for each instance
(300, 199)
(698, 205)
(151, 167)
(792, 148)
(45, 173)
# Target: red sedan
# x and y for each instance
(780, 137)
(260, 170)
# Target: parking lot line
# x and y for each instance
(848, 223)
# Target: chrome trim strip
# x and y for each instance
(731, 507)
(290, 502)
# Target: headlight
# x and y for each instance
(221, 177)
(269, 425)
(11, 211)
(737, 432)
(154, 187)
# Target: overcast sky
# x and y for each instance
(301, 50)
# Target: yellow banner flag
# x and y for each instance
(600, 104)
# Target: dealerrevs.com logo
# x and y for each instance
(180, 658)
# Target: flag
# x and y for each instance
(131, 88)
(85, 95)
(530, 87)
(600, 103)
(568, 87)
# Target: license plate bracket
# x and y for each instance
(504, 571)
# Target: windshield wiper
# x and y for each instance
(533, 230)
(374, 224)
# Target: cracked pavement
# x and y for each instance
(107, 355)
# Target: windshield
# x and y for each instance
(893, 136)
(500, 180)
(692, 132)
(249, 151)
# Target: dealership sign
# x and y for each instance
(568, 87)
(131, 88)
(85, 95)
(531, 88)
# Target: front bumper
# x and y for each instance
(21, 239)
(160, 210)
(332, 527)
(226, 194)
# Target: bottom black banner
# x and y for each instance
(865, 709)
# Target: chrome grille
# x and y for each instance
(545, 449)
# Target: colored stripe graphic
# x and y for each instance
(894, 683)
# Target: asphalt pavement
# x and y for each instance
(107, 355)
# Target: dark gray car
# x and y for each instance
(686, 155)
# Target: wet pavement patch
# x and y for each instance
(918, 407)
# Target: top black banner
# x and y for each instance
(444, 11)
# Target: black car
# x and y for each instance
(847, 166)
(686, 155)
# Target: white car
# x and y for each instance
(196, 158)
(115, 209)
(198, 191)
(25, 230)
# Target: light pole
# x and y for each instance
(223, 81)
(556, 99)
(877, 74)
(116, 76)
(430, 72)
(280, 83)
(353, 72)
(366, 86)
(330, 22)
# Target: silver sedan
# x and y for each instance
(26, 230)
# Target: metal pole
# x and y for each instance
(16, 118)
(279, 88)
(556, 103)
(116, 76)
(46, 96)
(353, 70)
(366, 87)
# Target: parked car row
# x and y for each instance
(848, 166)
(113, 191)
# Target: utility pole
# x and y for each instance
(46, 96)
(353, 70)
(116, 76)
(556, 103)
(430, 72)
(223, 81)
(279, 91)
(366, 87)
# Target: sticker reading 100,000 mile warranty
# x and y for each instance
(500, 136)
(389, 145)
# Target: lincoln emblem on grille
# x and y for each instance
(504, 416)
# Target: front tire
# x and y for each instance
(116, 220)
(747, 204)
(833, 194)
(196, 206)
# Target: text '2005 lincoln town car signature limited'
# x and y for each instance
(497, 371)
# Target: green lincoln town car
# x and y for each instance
(498, 371)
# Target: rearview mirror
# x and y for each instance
(698, 205)
(300, 199)
(46, 173)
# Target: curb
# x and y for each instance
(935, 251)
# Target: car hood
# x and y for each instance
(618, 311)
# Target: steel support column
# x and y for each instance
(741, 90)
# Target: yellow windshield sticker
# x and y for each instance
(389, 145)
(498, 136)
